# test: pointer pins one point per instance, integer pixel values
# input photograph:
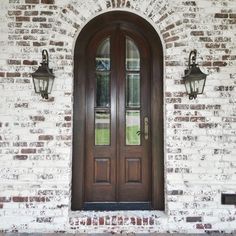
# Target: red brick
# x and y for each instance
(219, 63)
(28, 150)
(27, 62)
(45, 137)
(22, 18)
(132, 221)
(172, 39)
(14, 13)
(31, 13)
(5, 199)
(197, 33)
(20, 199)
(221, 15)
(139, 221)
(89, 221)
(101, 221)
(20, 157)
(13, 74)
(37, 199)
(171, 26)
(199, 226)
(37, 118)
(47, 1)
(31, 1)
(39, 19)
(193, 219)
(197, 119)
(145, 221)
(120, 220)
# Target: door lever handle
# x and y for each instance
(146, 128)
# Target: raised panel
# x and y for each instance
(133, 170)
(102, 170)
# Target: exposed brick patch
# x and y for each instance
(28, 150)
(5, 199)
(46, 137)
(20, 199)
(221, 15)
(37, 118)
(13, 74)
(32, 1)
(22, 18)
(20, 157)
(27, 62)
(47, 1)
(193, 219)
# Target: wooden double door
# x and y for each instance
(118, 160)
(118, 154)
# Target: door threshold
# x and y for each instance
(117, 206)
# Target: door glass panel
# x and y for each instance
(132, 90)
(102, 128)
(103, 56)
(132, 127)
(132, 56)
(102, 89)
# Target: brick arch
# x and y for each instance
(76, 14)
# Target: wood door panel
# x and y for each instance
(133, 170)
(102, 170)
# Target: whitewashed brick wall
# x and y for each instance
(36, 135)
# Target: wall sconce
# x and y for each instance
(194, 78)
(43, 77)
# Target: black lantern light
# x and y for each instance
(43, 77)
(194, 78)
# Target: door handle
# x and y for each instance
(146, 129)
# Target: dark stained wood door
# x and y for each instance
(117, 136)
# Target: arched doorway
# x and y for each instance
(118, 115)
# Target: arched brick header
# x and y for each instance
(75, 15)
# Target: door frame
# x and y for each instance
(139, 24)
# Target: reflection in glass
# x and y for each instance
(133, 127)
(133, 90)
(132, 55)
(102, 89)
(102, 128)
(103, 56)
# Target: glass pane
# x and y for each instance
(133, 90)
(102, 128)
(103, 89)
(103, 56)
(132, 55)
(133, 127)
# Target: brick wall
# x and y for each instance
(36, 135)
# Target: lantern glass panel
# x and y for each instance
(188, 87)
(36, 85)
(201, 85)
(50, 84)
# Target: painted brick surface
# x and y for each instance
(36, 135)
